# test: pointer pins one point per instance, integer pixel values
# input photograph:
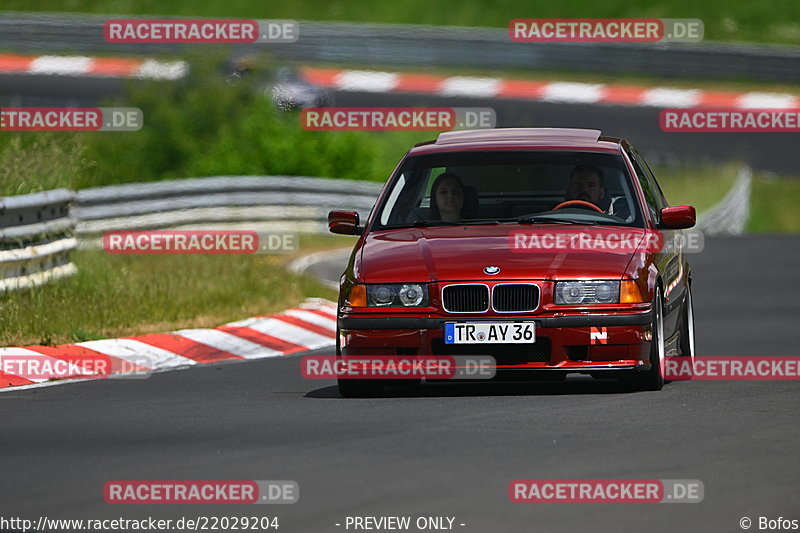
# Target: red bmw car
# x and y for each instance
(547, 249)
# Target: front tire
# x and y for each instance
(653, 379)
(687, 329)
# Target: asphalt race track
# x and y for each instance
(30, 89)
(446, 450)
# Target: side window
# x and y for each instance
(650, 193)
(656, 187)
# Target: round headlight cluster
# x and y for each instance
(572, 294)
(397, 295)
(383, 295)
(411, 295)
(604, 292)
(586, 292)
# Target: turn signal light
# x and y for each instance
(357, 297)
(629, 293)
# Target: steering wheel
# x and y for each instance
(578, 203)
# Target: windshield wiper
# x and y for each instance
(429, 223)
(426, 223)
(545, 219)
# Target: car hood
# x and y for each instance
(449, 253)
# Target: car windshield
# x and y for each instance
(510, 187)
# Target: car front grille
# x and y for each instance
(516, 297)
(466, 298)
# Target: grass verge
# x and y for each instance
(701, 186)
(119, 295)
(773, 205)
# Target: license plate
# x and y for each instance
(489, 332)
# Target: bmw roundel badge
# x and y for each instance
(491, 270)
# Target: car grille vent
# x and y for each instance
(515, 297)
(466, 298)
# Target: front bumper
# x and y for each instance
(586, 343)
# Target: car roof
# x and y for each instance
(571, 138)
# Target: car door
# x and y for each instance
(670, 260)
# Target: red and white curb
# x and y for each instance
(309, 326)
(385, 82)
(114, 67)
(545, 91)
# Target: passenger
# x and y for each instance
(447, 197)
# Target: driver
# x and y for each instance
(586, 183)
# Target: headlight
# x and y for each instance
(397, 295)
(587, 292)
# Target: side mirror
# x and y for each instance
(678, 217)
(344, 223)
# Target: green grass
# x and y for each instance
(773, 206)
(36, 162)
(701, 186)
(199, 126)
(117, 295)
(773, 199)
(732, 20)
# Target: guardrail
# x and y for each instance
(729, 216)
(266, 203)
(37, 231)
(35, 238)
(393, 44)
